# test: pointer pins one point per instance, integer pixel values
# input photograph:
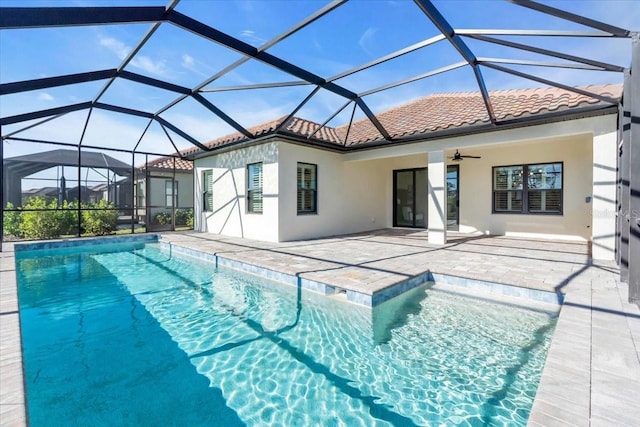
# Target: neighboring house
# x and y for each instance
(165, 188)
(546, 169)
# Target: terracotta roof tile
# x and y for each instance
(432, 113)
(443, 111)
(167, 163)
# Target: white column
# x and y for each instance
(603, 221)
(437, 198)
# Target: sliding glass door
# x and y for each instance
(411, 198)
(453, 197)
(411, 195)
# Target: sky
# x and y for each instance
(355, 33)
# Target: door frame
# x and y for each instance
(149, 207)
(395, 198)
(456, 226)
(413, 200)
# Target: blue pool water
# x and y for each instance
(131, 334)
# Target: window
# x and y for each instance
(254, 188)
(170, 192)
(140, 194)
(307, 188)
(531, 189)
(207, 195)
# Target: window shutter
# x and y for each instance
(254, 188)
(307, 188)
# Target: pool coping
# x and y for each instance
(377, 297)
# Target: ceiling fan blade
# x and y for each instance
(471, 157)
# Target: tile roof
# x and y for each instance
(432, 113)
(455, 110)
(167, 163)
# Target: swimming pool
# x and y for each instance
(133, 334)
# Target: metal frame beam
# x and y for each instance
(329, 119)
(218, 112)
(632, 96)
(48, 119)
(552, 83)
(534, 33)
(150, 81)
(49, 82)
(43, 17)
(295, 110)
(568, 16)
(246, 49)
(456, 41)
(182, 133)
(520, 46)
(253, 86)
(414, 78)
(224, 39)
(570, 65)
(44, 113)
(194, 92)
(373, 119)
(297, 27)
(389, 57)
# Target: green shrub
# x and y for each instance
(184, 217)
(38, 223)
(67, 217)
(99, 222)
(12, 221)
(162, 218)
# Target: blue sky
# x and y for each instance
(355, 33)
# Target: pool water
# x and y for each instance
(135, 335)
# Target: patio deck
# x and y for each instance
(592, 372)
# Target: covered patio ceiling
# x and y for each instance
(329, 63)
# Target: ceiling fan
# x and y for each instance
(459, 157)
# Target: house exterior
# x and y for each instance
(545, 169)
(164, 193)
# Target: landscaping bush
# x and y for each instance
(99, 222)
(67, 217)
(162, 218)
(42, 220)
(184, 217)
(12, 222)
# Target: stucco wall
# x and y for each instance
(476, 188)
(351, 197)
(605, 155)
(229, 215)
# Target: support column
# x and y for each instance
(633, 96)
(603, 204)
(437, 175)
(623, 172)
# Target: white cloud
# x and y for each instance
(44, 96)
(116, 46)
(251, 37)
(191, 64)
(149, 65)
(188, 61)
(145, 63)
(367, 39)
